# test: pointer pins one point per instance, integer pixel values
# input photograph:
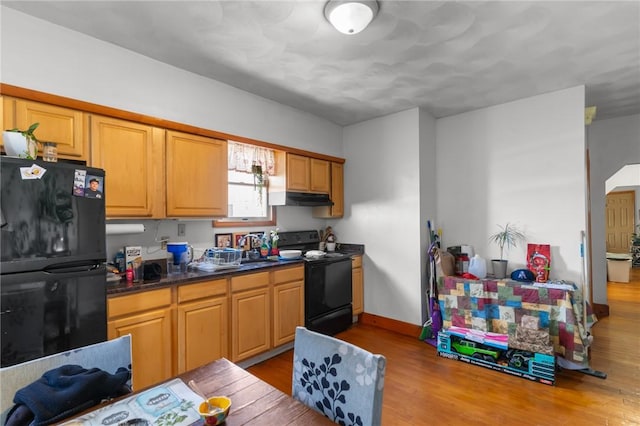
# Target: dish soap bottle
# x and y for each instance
(264, 248)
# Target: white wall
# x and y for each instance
(627, 176)
(59, 61)
(383, 211)
(612, 144)
(521, 162)
(56, 60)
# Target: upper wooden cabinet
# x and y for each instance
(320, 178)
(336, 194)
(298, 173)
(66, 127)
(132, 156)
(196, 175)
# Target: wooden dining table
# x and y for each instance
(253, 401)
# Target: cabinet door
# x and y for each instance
(66, 127)
(357, 283)
(288, 311)
(337, 189)
(250, 323)
(196, 176)
(320, 176)
(336, 194)
(151, 350)
(298, 176)
(132, 156)
(202, 332)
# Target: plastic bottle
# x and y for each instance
(478, 267)
(120, 262)
(264, 248)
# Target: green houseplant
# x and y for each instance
(508, 235)
(21, 143)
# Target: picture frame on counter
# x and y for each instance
(224, 240)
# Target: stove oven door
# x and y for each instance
(328, 295)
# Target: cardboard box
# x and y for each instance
(618, 270)
(532, 366)
(133, 259)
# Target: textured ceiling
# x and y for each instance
(447, 57)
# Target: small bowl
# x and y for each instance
(290, 254)
(215, 418)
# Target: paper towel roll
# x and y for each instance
(124, 228)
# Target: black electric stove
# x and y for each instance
(327, 283)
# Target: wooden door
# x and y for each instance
(132, 156)
(298, 173)
(320, 176)
(197, 184)
(619, 222)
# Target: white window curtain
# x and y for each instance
(242, 157)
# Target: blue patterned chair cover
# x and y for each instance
(338, 379)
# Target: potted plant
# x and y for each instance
(21, 143)
(509, 236)
(258, 179)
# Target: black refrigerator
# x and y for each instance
(53, 248)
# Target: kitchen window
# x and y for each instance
(249, 168)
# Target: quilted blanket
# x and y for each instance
(539, 318)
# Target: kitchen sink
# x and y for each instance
(245, 261)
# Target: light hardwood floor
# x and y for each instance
(422, 388)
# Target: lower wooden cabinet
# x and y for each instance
(176, 329)
(202, 324)
(266, 308)
(357, 282)
(147, 317)
(250, 315)
(288, 304)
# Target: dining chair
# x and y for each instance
(338, 379)
(108, 356)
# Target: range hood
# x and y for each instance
(299, 199)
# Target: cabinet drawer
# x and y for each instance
(288, 274)
(356, 262)
(246, 282)
(122, 305)
(200, 290)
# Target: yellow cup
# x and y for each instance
(221, 406)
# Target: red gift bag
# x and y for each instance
(539, 261)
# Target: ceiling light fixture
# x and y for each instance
(350, 16)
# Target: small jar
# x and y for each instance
(49, 151)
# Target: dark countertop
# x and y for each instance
(193, 276)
